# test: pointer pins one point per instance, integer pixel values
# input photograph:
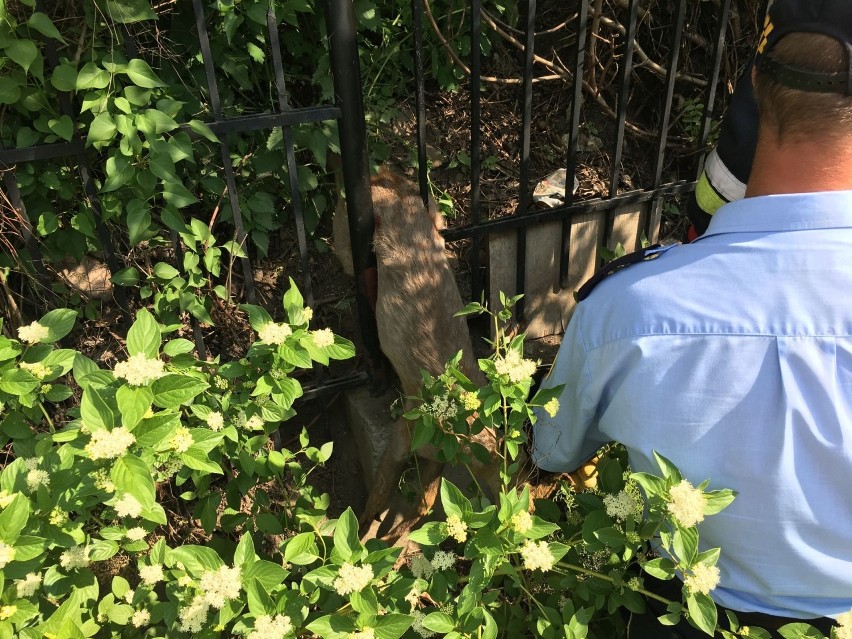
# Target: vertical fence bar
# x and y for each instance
(230, 180)
(356, 169)
(671, 77)
(524, 194)
(292, 170)
(573, 135)
(476, 287)
(719, 45)
(422, 168)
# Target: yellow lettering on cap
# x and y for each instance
(767, 29)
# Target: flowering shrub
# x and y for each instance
(148, 502)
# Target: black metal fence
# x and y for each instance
(349, 111)
(656, 191)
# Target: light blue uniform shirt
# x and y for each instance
(732, 357)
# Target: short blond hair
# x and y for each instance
(800, 115)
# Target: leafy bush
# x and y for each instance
(148, 501)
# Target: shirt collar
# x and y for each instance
(778, 213)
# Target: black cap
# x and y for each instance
(832, 18)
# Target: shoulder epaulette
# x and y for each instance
(642, 255)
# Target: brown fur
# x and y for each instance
(417, 298)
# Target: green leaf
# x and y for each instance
(173, 390)
(133, 402)
(702, 611)
(392, 626)
(661, 568)
(119, 172)
(301, 550)
(717, 500)
(165, 272)
(16, 381)
(10, 91)
(138, 219)
(59, 323)
(102, 130)
(685, 544)
(439, 622)
(332, 627)
(91, 76)
(64, 77)
(131, 475)
(430, 534)
(126, 277)
(163, 167)
(41, 23)
(153, 122)
(178, 195)
(62, 126)
(144, 336)
(142, 75)
(454, 502)
(13, 519)
(179, 346)
(346, 541)
(800, 631)
(202, 129)
(23, 52)
(196, 559)
(269, 575)
(129, 11)
(258, 317)
(669, 470)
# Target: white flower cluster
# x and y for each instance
(268, 627)
(443, 560)
(128, 506)
(255, 422)
(552, 407)
(537, 556)
(220, 585)
(32, 333)
(140, 618)
(129, 595)
(844, 628)
(37, 477)
(37, 369)
(6, 498)
(137, 533)
(703, 579)
(109, 444)
(521, 522)
(140, 369)
(103, 481)
(28, 586)
(352, 578)
(274, 332)
(7, 611)
(58, 517)
(687, 504)
(76, 557)
(456, 528)
(620, 506)
(365, 633)
(194, 616)
(469, 400)
(215, 421)
(152, 574)
(323, 337)
(516, 367)
(7, 554)
(182, 440)
(442, 407)
(421, 567)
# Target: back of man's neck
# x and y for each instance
(800, 166)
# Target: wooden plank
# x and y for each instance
(549, 308)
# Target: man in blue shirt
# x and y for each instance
(732, 356)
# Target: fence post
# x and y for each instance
(352, 129)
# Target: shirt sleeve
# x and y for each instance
(563, 442)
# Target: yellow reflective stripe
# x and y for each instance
(706, 196)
